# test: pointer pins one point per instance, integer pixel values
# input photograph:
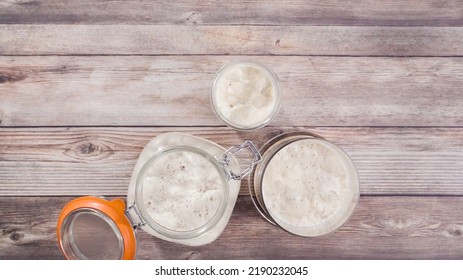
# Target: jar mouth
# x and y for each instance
(330, 223)
(215, 197)
(276, 88)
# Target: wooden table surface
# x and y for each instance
(84, 85)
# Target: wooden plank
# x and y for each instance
(381, 228)
(99, 161)
(22, 39)
(296, 12)
(153, 91)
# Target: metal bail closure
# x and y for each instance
(235, 150)
(136, 220)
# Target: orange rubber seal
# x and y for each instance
(114, 209)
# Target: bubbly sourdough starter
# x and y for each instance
(307, 188)
(182, 191)
(245, 95)
(226, 191)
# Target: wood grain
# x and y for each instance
(23, 39)
(381, 79)
(174, 90)
(295, 12)
(99, 161)
(381, 228)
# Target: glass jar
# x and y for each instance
(245, 95)
(304, 184)
(183, 189)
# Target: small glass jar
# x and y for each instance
(183, 189)
(304, 184)
(245, 95)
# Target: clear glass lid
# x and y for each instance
(89, 234)
(93, 228)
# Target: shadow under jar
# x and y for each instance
(304, 184)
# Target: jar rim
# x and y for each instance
(276, 85)
(175, 234)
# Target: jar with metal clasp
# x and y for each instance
(183, 189)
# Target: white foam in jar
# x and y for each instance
(245, 95)
(310, 187)
(182, 191)
(179, 191)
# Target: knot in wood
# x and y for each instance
(455, 232)
(10, 78)
(16, 236)
(4, 79)
(13, 234)
(87, 149)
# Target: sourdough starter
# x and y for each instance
(245, 95)
(307, 187)
(182, 191)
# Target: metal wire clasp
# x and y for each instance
(234, 150)
(141, 222)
